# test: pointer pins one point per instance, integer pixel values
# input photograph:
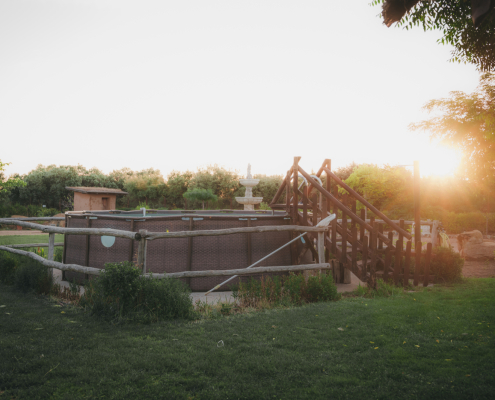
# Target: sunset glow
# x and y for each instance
(439, 161)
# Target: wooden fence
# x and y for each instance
(144, 236)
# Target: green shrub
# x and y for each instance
(446, 265)
(30, 275)
(292, 289)
(8, 265)
(120, 293)
(59, 254)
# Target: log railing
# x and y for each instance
(144, 236)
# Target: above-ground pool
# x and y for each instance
(179, 254)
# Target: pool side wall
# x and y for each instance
(172, 255)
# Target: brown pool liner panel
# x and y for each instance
(171, 255)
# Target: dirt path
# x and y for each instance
(479, 269)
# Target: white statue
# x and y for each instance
(249, 176)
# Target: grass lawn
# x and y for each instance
(24, 239)
(433, 344)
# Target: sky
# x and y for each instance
(176, 85)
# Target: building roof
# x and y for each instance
(95, 190)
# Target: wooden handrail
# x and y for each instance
(375, 210)
(282, 186)
(342, 208)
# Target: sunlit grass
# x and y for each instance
(433, 343)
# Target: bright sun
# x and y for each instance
(438, 160)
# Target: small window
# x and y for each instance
(105, 203)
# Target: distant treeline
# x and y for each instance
(46, 186)
(389, 188)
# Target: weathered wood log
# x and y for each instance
(38, 219)
(53, 264)
(230, 231)
(73, 231)
(21, 246)
(243, 271)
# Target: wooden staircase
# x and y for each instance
(354, 243)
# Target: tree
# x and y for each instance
(469, 26)
(200, 195)
(147, 184)
(177, 185)
(467, 122)
(7, 184)
(267, 187)
(222, 182)
(382, 187)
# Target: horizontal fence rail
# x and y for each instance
(54, 264)
(185, 274)
(73, 231)
(36, 219)
(21, 246)
(144, 234)
(242, 271)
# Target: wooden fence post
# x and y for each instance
(142, 251)
(51, 251)
(86, 256)
(434, 234)
(364, 260)
(321, 248)
(417, 263)
(426, 278)
(407, 264)
(295, 191)
(287, 193)
(131, 244)
(305, 206)
(373, 249)
(417, 204)
(388, 256)
(65, 245)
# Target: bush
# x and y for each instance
(292, 289)
(8, 265)
(59, 254)
(446, 265)
(30, 275)
(121, 294)
(7, 210)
